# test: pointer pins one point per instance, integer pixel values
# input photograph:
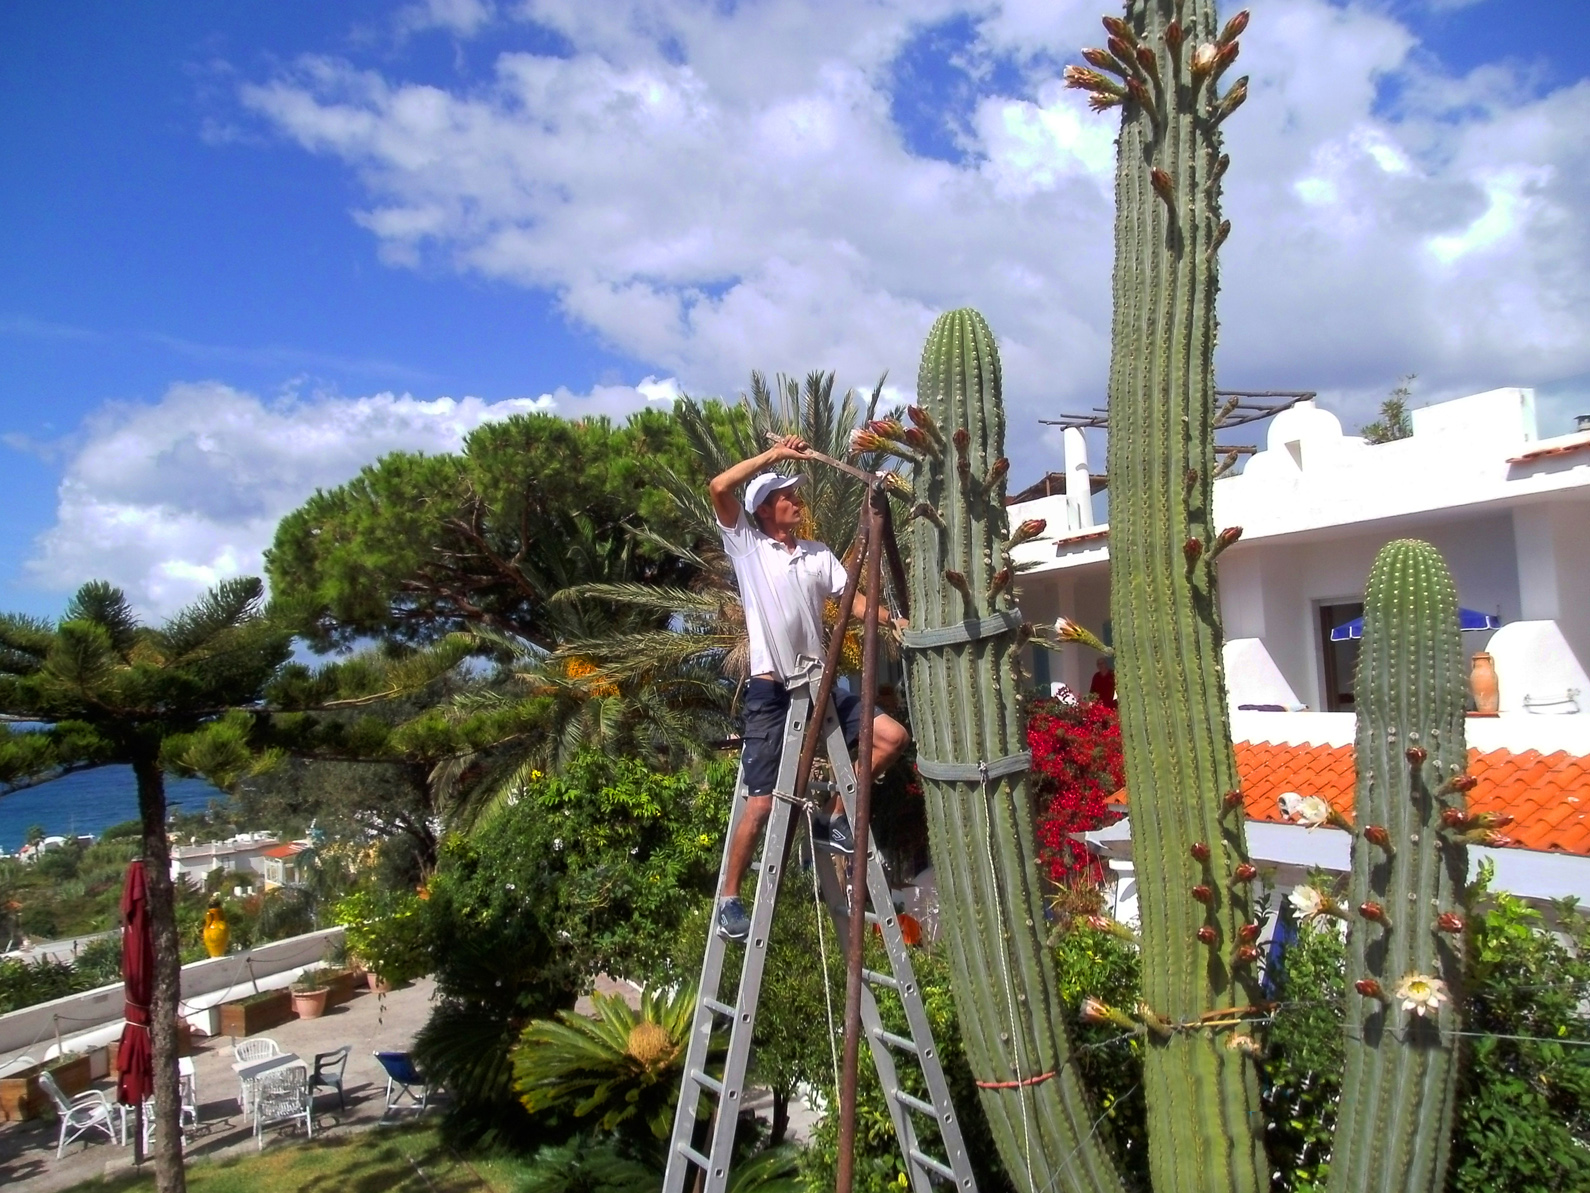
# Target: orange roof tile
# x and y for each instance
(1549, 794)
(285, 850)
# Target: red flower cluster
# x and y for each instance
(1076, 767)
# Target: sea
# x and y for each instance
(88, 801)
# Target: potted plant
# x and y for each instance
(309, 994)
(340, 975)
(387, 931)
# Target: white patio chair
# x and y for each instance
(91, 1111)
(283, 1097)
(188, 1100)
(247, 1052)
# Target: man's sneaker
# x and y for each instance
(839, 838)
(733, 923)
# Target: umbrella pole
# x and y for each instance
(138, 1135)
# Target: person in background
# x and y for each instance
(784, 582)
(1103, 685)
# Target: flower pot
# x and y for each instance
(377, 985)
(1482, 684)
(310, 1004)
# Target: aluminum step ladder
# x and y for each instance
(686, 1162)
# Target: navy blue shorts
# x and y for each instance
(766, 706)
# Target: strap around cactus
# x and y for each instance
(974, 772)
(1007, 622)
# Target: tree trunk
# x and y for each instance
(780, 1117)
(169, 1175)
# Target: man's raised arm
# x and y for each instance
(723, 486)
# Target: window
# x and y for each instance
(1341, 658)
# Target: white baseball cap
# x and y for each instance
(763, 486)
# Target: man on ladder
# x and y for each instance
(784, 582)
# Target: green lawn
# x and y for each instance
(409, 1159)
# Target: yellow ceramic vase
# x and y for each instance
(217, 936)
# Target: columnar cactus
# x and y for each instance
(1162, 67)
(966, 709)
(1410, 863)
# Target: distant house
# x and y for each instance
(1508, 510)
(287, 865)
(244, 852)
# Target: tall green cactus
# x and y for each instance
(1188, 845)
(1410, 863)
(966, 709)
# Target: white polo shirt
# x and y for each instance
(783, 592)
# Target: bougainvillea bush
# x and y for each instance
(1076, 762)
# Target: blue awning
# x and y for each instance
(1468, 620)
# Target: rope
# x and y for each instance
(1004, 965)
(822, 944)
(1025, 1081)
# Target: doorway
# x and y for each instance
(1341, 658)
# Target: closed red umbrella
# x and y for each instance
(135, 1079)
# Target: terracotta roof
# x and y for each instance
(1542, 452)
(285, 850)
(1548, 793)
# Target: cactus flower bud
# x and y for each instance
(1101, 101)
(1200, 851)
(1096, 1010)
(1203, 60)
(1119, 28)
(1232, 100)
(1140, 96)
(923, 419)
(924, 509)
(1234, 27)
(1224, 57)
(899, 486)
(1245, 955)
(963, 441)
(888, 428)
(1246, 872)
(1242, 1042)
(1207, 934)
(863, 441)
(1450, 921)
(998, 583)
(1203, 894)
(1488, 837)
(1416, 755)
(1124, 52)
(1192, 549)
(1460, 783)
(1105, 60)
(1374, 911)
(1147, 60)
(957, 581)
(918, 441)
(1230, 800)
(1229, 535)
(1163, 187)
(1248, 933)
(1370, 988)
(1174, 36)
(1454, 818)
(1376, 834)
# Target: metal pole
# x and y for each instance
(860, 826)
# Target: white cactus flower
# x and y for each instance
(1307, 902)
(1421, 993)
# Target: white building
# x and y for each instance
(245, 852)
(1508, 510)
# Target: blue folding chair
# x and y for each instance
(402, 1079)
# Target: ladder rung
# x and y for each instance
(899, 1043)
(933, 1165)
(916, 1104)
(694, 1157)
(711, 1083)
(873, 978)
(871, 917)
(718, 1008)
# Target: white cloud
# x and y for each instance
(167, 499)
(463, 18)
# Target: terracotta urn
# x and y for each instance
(217, 936)
(310, 1004)
(1482, 684)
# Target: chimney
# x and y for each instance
(1584, 422)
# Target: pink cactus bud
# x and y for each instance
(1192, 549)
(1416, 755)
(1454, 818)
(1121, 50)
(1234, 27)
(1203, 60)
(1248, 933)
(1224, 57)
(1101, 101)
(1173, 36)
(1119, 28)
(1462, 783)
(1449, 921)
(1104, 60)
(1200, 851)
(1163, 186)
(1373, 911)
(1203, 894)
(1370, 988)
(963, 441)
(1147, 60)
(1376, 834)
(1231, 799)
(1245, 955)
(1229, 535)
(1207, 934)
(1246, 872)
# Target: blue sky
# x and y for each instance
(249, 247)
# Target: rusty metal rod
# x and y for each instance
(860, 829)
